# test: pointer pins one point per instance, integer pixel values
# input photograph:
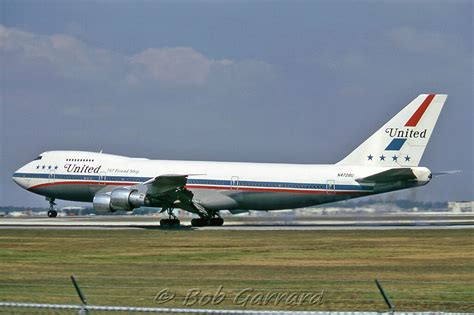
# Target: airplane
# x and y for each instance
(387, 161)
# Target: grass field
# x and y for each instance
(421, 269)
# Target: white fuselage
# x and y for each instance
(388, 160)
(78, 176)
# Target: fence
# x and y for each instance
(84, 308)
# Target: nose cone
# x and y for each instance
(19, 179)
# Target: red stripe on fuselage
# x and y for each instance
(415, 118)
(264, 189)
(256, 189)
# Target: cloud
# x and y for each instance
(58, 57)
(59, 78)
(62, 51)
(425, 42)
(347, 61)
(178, 65)
(431, 58)
(65, 56)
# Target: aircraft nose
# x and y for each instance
(16, 177)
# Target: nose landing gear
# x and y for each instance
(51, 213)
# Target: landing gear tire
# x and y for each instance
(206, 221)
(217, 221)
(51, 213)
(169, 223)
(199, 222)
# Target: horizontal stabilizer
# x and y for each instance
(389, 176)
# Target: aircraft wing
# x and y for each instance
(165, 183)
(389, 176)
(170, 192)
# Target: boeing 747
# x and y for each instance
(387, 161)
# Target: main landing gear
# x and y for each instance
(211, 219)
(172, 221)
(52, 213)
(214, 220)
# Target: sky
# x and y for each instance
(257, 81)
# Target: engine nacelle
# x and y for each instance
(119, 199)
(101, 203)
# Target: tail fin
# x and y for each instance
(402, 140)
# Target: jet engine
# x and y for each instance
(119, 199)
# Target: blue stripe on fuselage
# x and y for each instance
(192, 181)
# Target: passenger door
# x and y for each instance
(52, 176)
(331, 187)
(234, 183)
(102, 178)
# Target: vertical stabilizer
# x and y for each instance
(403, 139)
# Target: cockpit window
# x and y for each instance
(38, 158)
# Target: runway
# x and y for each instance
(365, 222)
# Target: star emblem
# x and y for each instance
(407, 158)
(370, 157)
(394, 158)
(382, 158)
